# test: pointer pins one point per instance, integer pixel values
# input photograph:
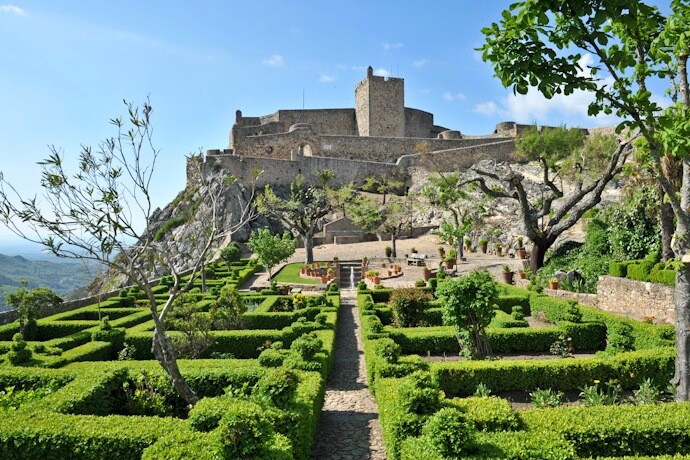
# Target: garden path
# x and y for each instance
(349, 427)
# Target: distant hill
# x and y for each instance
(61, 277)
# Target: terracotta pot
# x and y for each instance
(390, 273)
(483, 249)
(507, 277)
(449, 265)
(377, 280)
(426, 274)
(553, 285)
(499, 251)
(324, 279)
(522, 253)
(522, 275)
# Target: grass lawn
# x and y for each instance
(290, 275)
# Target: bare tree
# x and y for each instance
(93, 215)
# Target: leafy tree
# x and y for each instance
(589, 166)
(94, 214)
(468, 304)
(226, 312)
(447, 192)
(231, 253)
(271, 249)
(301, 210)
(194, 325)
(394, 217)
(626, 46)
(30, 305)
(383, 184)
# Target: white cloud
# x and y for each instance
(487, 108)
(12, 10)
(392, 46)
(358, 67)
(382, 72)
(448, 96)
(420, 63)
(326, 78)
(275, 61)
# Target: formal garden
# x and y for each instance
(84, 384)
(612, 403)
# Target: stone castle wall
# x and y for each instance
(380, 106)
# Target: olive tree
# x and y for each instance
(95, 213)
(271, 249)
(30, 305)
(616, 51)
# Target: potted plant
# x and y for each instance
(304, 269)
(483, 244)
(522, 253)
(553, 283)
(285, 289)
(330, 273)
(449, 261)
(335, 261)
(441, 251)
(522, 274)
(365, 261)
(498, 248)
(324, 279)
(420, 283)
(507, 275)
(389, 251)
(426, 273)
(468, 243)
(376, 278)
(413, 250)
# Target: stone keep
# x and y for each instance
(380, 106)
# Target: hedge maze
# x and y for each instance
(69, 396)
(432, 409)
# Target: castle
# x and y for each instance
(379, 136)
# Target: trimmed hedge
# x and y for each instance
(462, 378)
(618, 430)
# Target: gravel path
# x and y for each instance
(349, 427)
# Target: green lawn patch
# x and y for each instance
(289, 274)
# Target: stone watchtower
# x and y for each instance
(380, 106)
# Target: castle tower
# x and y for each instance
(380, 106)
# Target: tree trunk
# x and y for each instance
(667, 228)
(536, 258)
(682, 300)
(308, 249)
(394, 252)
(162, 349)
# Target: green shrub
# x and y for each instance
(389, 350)
(271, 358)
(307, 346)
(488, 413)
(19, 353)
(450, 432)
(408, 306)
(278, 386)
(244, 430)
(620, 337)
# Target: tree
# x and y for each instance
(301, 211)
(93, 214)
(231, 253)
(468, 304)
(383, 184)
(392, 218)
(271, 249)
(589, 167)
(628, 46)
(447, 192)
(30, 305)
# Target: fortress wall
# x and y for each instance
(461, 158)
(340, 122)
(418, 123)
(283, 172)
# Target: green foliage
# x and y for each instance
(148, 394)
(468, 305)
(546, 398)
(562, 347)
(551, 144)
(487, 413)
(231, 253)
(29, 305)
(408, 306)
(619, 337)
(195, 327)
(633, 227)
(271, 249)
(19, 353)
(278, 387)
(450, 432)
(226, 312)
(306, 346)
(243, 430)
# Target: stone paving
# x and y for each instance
(349, 427)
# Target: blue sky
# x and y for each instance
(67, 66)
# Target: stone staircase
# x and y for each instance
(347, 268)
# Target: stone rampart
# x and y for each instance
(622, 296)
